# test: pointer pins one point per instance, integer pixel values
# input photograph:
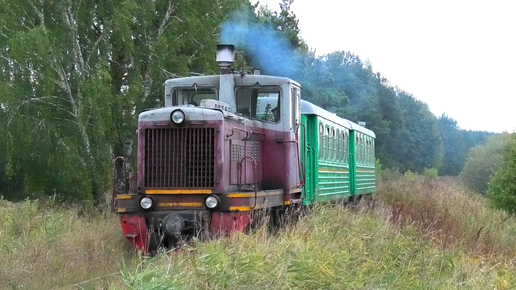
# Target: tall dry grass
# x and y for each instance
(449, 214)
(46, 246)
(415, 234)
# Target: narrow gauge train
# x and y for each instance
(227, 146)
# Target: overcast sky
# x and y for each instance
(459, 57)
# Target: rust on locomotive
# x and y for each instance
(222, 148)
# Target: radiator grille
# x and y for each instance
(179, 158)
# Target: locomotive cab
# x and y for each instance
(222, 148)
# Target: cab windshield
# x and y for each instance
(192, 96)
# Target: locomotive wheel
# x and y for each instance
(277, 219)
(296, 212)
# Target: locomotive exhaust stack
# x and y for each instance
(225, 58)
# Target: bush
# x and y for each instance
(378, 169)
(430, 173)
(502, 187)
(482, 163)
(410, 175)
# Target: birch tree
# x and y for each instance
(74, 76)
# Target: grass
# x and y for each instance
(45, 246)
(416, 233)
(450, 215)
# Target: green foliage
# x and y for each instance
(456, 143)
(420, 144)
(409, 175)
(455, 150)
(430, 173)
(407, 133)
(502, 186)
(482, 163)
(73, 77)
(378, 169)
(389, 174)
(285, 22)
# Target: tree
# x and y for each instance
(58, 101)
(422, 146)
(407, 132)
(285, 22)
(75, 75)
(482, 162)
(502, 187)
(394, 130)
(270, 41)
(455, 149)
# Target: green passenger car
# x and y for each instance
(338, 156)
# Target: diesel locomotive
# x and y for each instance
(227, 146)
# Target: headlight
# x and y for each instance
(177, 117)
(146, 202)
(211, 202)
(173, 224)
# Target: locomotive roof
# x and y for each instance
(308, 108)
(245, 80)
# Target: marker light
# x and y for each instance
(146, 202)
(173, 224)
(211, 202)
(177, 117)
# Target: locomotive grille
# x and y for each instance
(179, 158)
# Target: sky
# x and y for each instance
(459, 57)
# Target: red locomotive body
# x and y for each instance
(222, 148)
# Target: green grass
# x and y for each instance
(416, 233)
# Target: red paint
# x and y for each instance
(135, 230)
(280, 161)
(217, 124)
(228, 222)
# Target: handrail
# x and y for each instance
(123, 166)
(302, 167)
(255, 178)
(241, 130)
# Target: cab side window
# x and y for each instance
(262, 103)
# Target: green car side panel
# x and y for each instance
(365, 169)
(328, 178)
(309, 155)
(352, 163)
(333, 170)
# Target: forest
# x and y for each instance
(75, 75)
